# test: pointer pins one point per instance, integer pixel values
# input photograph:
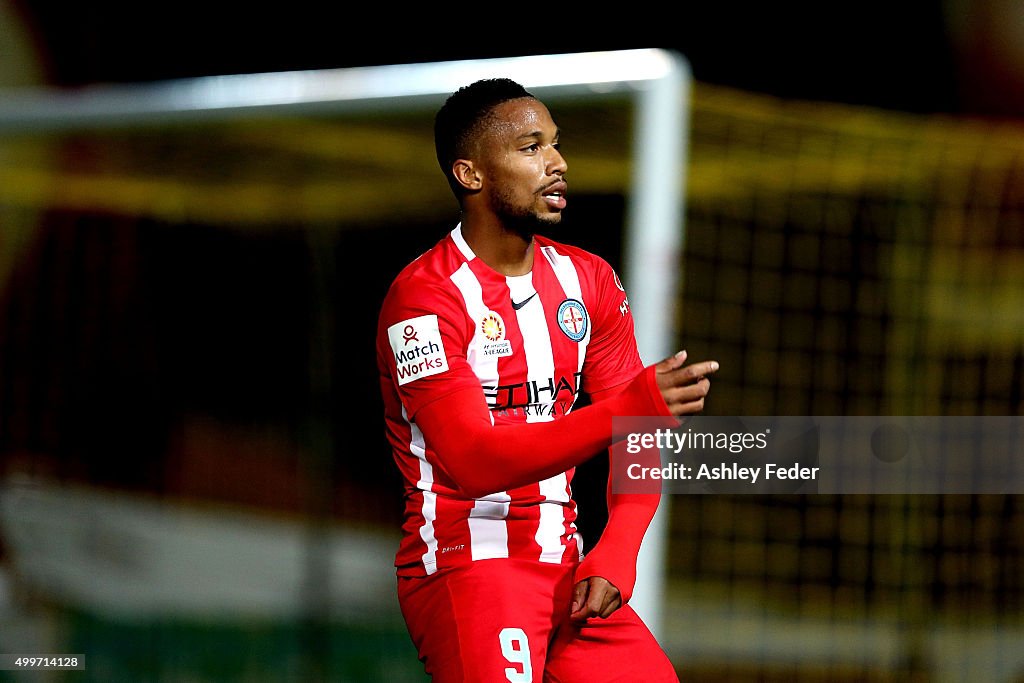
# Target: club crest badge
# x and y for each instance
(573, 319)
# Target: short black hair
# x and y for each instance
(460, 119)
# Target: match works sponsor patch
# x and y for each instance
(418, 349)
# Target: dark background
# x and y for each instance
(936, 56)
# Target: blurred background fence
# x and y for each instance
(196, 485)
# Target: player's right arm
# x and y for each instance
(424, 348)
(483, 458)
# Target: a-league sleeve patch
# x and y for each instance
(418, 349)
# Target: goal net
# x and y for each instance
(849, 261)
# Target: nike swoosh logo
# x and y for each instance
(517, 306)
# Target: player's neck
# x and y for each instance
(507, 252)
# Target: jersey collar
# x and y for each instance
(461, 243)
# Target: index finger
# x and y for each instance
(581, 601)
(694, 370)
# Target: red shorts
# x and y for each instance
(505, 620)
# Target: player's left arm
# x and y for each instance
(606, 577)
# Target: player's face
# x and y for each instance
(523, 169)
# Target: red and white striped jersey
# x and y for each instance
(530, 343)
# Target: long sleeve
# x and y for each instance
(520, 454)
(629, 515)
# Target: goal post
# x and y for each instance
(654, 240)
(656, 81)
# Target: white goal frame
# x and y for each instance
(657, 81)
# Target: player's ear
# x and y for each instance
(467, 174)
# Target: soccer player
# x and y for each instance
(484, 344)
